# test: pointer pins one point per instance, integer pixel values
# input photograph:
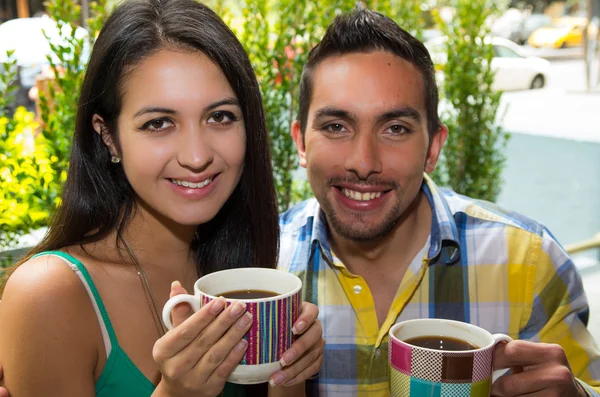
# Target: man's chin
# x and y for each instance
(361, 231)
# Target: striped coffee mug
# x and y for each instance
(273, 317)
(421, 371)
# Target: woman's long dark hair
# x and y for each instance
(98, 199)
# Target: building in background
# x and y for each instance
(10, 9)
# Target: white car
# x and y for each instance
(514, 70)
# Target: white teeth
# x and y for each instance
(191, 185)
(358, 196)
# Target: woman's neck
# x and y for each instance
(159, 241)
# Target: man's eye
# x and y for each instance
(335, 127)
(222, 117)
(398, 129)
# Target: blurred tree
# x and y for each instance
(33, 164)
(473, 157)
(58, 101)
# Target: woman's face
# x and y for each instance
(181, 134)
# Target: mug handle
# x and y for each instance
(191, 300)
(500, 338)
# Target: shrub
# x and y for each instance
(473, 157)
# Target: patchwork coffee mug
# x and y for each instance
(421, 363)
(273, 314)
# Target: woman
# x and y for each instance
(170, 179)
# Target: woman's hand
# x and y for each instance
(198, 355)
(304, 358)
(3, 391)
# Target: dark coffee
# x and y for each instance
(248, 294)
(441, 343)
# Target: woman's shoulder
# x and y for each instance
(45, 290)
(47, 326)
(41, 279)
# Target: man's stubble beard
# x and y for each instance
(357, 229)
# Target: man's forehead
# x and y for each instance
(367, 83)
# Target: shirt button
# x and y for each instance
(377, 353)
(357, 289)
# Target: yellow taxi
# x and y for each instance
(563, 32)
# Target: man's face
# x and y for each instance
(366, 142)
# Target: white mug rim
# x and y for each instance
(255, 300)
(392, 335)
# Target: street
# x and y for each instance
(562, 109)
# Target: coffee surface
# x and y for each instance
(248, 294)
(441, 343)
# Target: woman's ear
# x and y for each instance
(101, 129)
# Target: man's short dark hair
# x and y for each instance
(362, 31)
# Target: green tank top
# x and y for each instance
(120, 377)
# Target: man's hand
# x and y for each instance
(539, 370)
(3, 391)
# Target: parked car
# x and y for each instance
(530, 25)
(508, 25)
(25, 36)
(518, 26)
(563, 32)
(513, 70)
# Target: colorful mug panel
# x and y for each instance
(271, 332)
(441, 366)
(403, 385)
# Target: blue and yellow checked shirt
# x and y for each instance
(498, 270)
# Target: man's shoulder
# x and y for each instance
(297, 229)
(298, 216)
(485, 214)
(483, 225)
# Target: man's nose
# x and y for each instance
(364, 158)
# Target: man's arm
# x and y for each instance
(567, 361)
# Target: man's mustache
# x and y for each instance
(370, 181)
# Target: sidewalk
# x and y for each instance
(563, 109)
(554, 53)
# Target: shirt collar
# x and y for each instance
(444, 238)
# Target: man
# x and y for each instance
(381, 243)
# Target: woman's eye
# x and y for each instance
(222, 117)
(157, 124)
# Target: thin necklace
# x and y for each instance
(147, 290)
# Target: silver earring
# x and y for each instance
(115, 160)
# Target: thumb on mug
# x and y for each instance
(182, 311)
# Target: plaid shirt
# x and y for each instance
(498, 270)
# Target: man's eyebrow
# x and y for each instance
(333, 112)
(405, 112)
(159, 109)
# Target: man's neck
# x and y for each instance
(388, 252)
